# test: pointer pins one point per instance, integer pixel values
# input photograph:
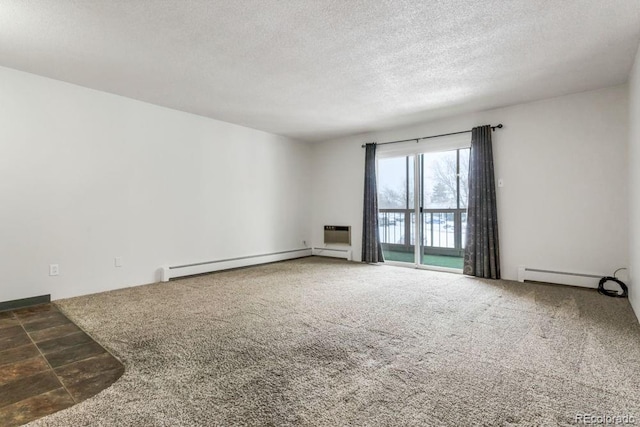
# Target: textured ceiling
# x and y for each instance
(314, 69)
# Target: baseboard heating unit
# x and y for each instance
(586, 280)
(167, 273)
(333, 253)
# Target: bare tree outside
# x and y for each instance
(392, 198)
(440, 183)
(445, 180)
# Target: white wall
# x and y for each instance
(563, 161)
(86, 176)
(634, 185)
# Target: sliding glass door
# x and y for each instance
(436, 220)
(396, 207)
(443, 207)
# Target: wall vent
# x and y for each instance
(337, 234)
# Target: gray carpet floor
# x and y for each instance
(325, 342)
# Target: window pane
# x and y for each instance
(392, 183)
(411, 182)
(464, 178)
(391, 227)
(440, 180)
(464, 229)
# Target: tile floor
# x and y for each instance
(47, 364)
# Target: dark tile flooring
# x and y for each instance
(47, 364)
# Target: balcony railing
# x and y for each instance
(443, 231)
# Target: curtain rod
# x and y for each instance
(432, 136)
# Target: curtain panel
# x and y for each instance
(482, 251)
(371, 247)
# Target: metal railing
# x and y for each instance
(443, 231)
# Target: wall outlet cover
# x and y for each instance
(54, 269)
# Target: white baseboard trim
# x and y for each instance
(332, 253)
(583, 280)
(172, 272)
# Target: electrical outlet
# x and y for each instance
(117, 261)
(54, 269)
(500, 183)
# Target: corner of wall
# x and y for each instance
(634, 185)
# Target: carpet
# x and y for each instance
(325, 342)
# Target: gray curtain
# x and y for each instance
(371, 247)
(482, 252)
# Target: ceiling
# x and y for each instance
(314, 69)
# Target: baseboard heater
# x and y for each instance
(167, 273)
(586, 280)
(333, 253)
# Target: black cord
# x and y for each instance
(616, 272)
(612, 293)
